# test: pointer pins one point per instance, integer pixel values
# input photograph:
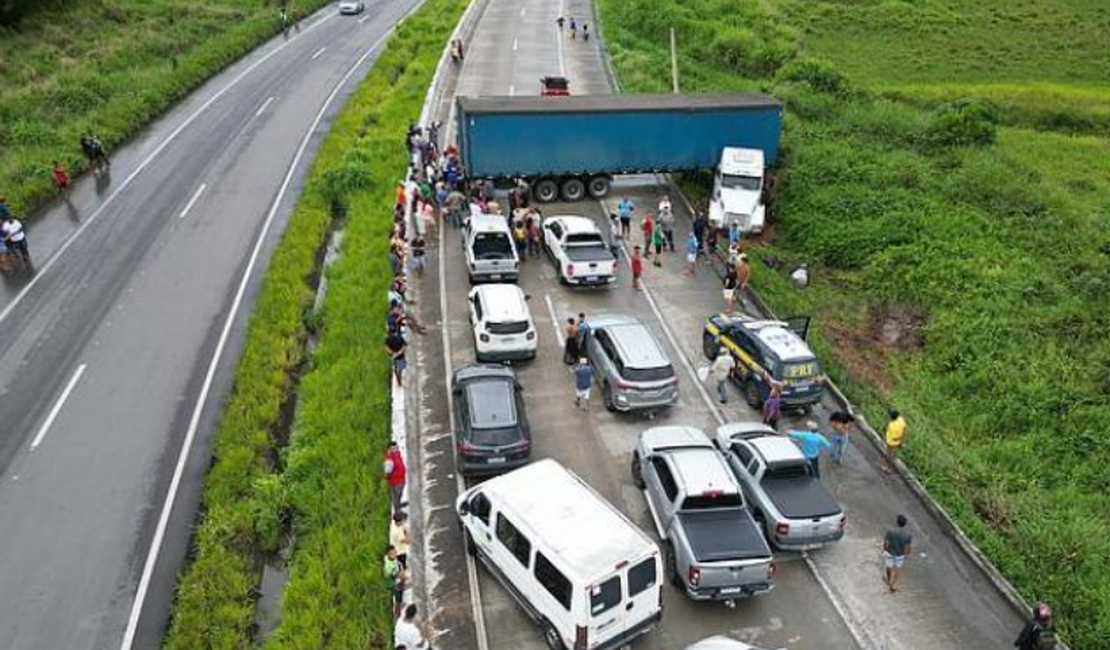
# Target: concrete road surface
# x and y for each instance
(829, 599)
(116, 352)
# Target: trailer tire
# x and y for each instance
(546, 190)
(573, 190)
(598, 186)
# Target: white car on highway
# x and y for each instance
(351, 7)
(579, 252)
(502, 323)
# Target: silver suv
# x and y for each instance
(629, 365)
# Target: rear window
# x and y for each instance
(712, 501)
(492, 244)
(579, 239)
(491, 405)
(786, 471)
(648, 374)
(605, 596)
(507, 328)
(641, 576)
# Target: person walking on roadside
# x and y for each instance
(691, 254)
(1039, 632)
(812, 442)
(395, 578)
(616, 237)
(570, 348)
(573, 29)
(637, 263)
(729, 290)
(11, 229)
(647, 227)
(743, 275)
(772, 406)
(701, 222)
(897, 546)
(393, 467)
(408, 632)
(666, 220)
(585, 31)
(896, 429)
(417, 250)
(624, 211)
(396, 346)
(839, 421)
(61, 179)
(583, 381)
(560, 21)
(658, 241)
(721, 370)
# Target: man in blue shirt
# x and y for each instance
(583, 381)
(624, 210)
(812, 442)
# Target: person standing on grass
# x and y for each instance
(1040, 632)
(896, 430)
(61, 179)
(393, 467)
(637, 268)
(721, 370)
(840, 421)
(570, 349)
(647, 227)
(811, 442)
(395, 578)
(583, 381)
(624, 211)
(658, 241)
(396, 346)
(691, 254)
(897, 546)
(772, 406)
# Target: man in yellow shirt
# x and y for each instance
(895, 438)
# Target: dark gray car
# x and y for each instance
(491, 427)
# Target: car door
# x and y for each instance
(643, 583)
(479, 516)
(605, 603)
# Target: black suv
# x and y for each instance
(492, 433)
(777, 347)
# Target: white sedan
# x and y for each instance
(351, 7)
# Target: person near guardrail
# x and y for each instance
(896, 430)
(839, 421)
(393, 467)
(410, 633)
(1040, 632)
(897, 546)
(396, 578)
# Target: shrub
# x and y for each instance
(816, 74)
(965, 122)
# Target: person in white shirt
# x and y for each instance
(722, 368)
(408, 633)
(11, 230)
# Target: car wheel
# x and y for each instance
(607, 397)
(573, 190)
(551, 636)
(637, 471)
(752, 396)
(546, 190)
(670, 566)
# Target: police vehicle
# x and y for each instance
(775, 347)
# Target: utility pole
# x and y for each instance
(674, 62)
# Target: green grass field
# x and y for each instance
(109, 66)
(979, 231)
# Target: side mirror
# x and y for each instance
(464, 508)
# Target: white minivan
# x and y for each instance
(578, 567)
(502, 323)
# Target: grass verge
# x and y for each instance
(959, 250)
(109, 66)
(330, 486)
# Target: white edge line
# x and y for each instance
(143, 165)
(264, 105)
(193, 201)
(554, 318)
(363, 19)
(319, 52)
(202, 398)
(58, 405)
(512, 90)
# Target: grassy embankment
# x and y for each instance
(109, 66)
(327, 491)
(960, 253)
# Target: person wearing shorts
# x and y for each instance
(897, 546)
(583, 381)
(692, 248)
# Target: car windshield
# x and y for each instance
(648, 374)
(584, 239)
(491, 244)
(491, 404)
(738, 182)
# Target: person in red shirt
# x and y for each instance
(393, 466)
(61, 178)
(648, 227)
(637, 268)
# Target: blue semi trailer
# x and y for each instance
(571, 147)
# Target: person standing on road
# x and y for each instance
(729, 291)
(408, 632)
(700, 224)
(896, 430)
(666, 220)
(417, 249)
(396, 346)
(691, 254)
(647, 226)
(1040, 632)
(616, 237)
(393, 467)
(658, 241)
(395, 574)
(399, 537)
(573, 29)
(811, 442)
(743, 275)
(560, 21)
(586, 31)
(624, 211)
(583, 381)
(772, 406)
(637, 268)
(723, 367)
(839, 422)
(14, 238)
(897, 546)
(583, 332)
(570, 350)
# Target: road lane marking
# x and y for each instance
(319, 52)
(262, 108)
(523, 10)
(58, 405)
(143, 165)
(512, 90)
(225, 333)
(554, 318)
(193, 201)
(516, 43)
(363, 19)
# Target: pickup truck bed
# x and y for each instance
(720, 535)
(598, 253)
(800, 499)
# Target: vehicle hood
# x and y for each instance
(739, 201)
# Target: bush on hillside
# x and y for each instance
(749, 53)
(816, 74)
(965, 122)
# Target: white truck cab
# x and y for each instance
(738, 191)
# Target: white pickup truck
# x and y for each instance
(579, 252)
(738, 191)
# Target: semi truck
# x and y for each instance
(570, 148)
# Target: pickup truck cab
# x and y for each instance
(579, 252)
(791, 504)
(490, 253)
(712, 548)
(738, 191)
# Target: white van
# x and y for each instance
(490, 253)
(578, 567)
(502, 323)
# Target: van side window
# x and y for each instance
(512, 539)
(553, 581)
(605, 596)
(666, 479)
(641, 576)
(480, 507)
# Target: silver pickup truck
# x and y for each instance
(712, 547)
(789, 502)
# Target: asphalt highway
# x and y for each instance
(830, 599)
(116, 353)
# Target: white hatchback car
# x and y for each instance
(502, 322)
(721, 643)
(351, 7)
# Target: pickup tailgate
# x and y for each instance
(589, 262)
(804, 499)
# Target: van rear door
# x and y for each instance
(625, 600)
(645, 591)
(605, 608)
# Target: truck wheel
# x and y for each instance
(637, 471)
(551, 636)
(752, 396)
(607, 397)
(546, 190)
(710, 346)
(670, 566)
(573, 190)
(598, 186)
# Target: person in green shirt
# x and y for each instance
(657, 241)
(395, 578)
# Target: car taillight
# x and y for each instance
(484, 338)
(694, 576)
(570, 269)
(581, 637)
(770, 571)
(530, 336)
(782, 530)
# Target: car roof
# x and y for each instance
(659, 438)
(702, 470)
(492, 404)
(742, 161)
(776, 336)
(543, 496)
(635, 342)
(767, 442)
(575, 224)
(483, 371)
(502, 302)
(482, 222)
